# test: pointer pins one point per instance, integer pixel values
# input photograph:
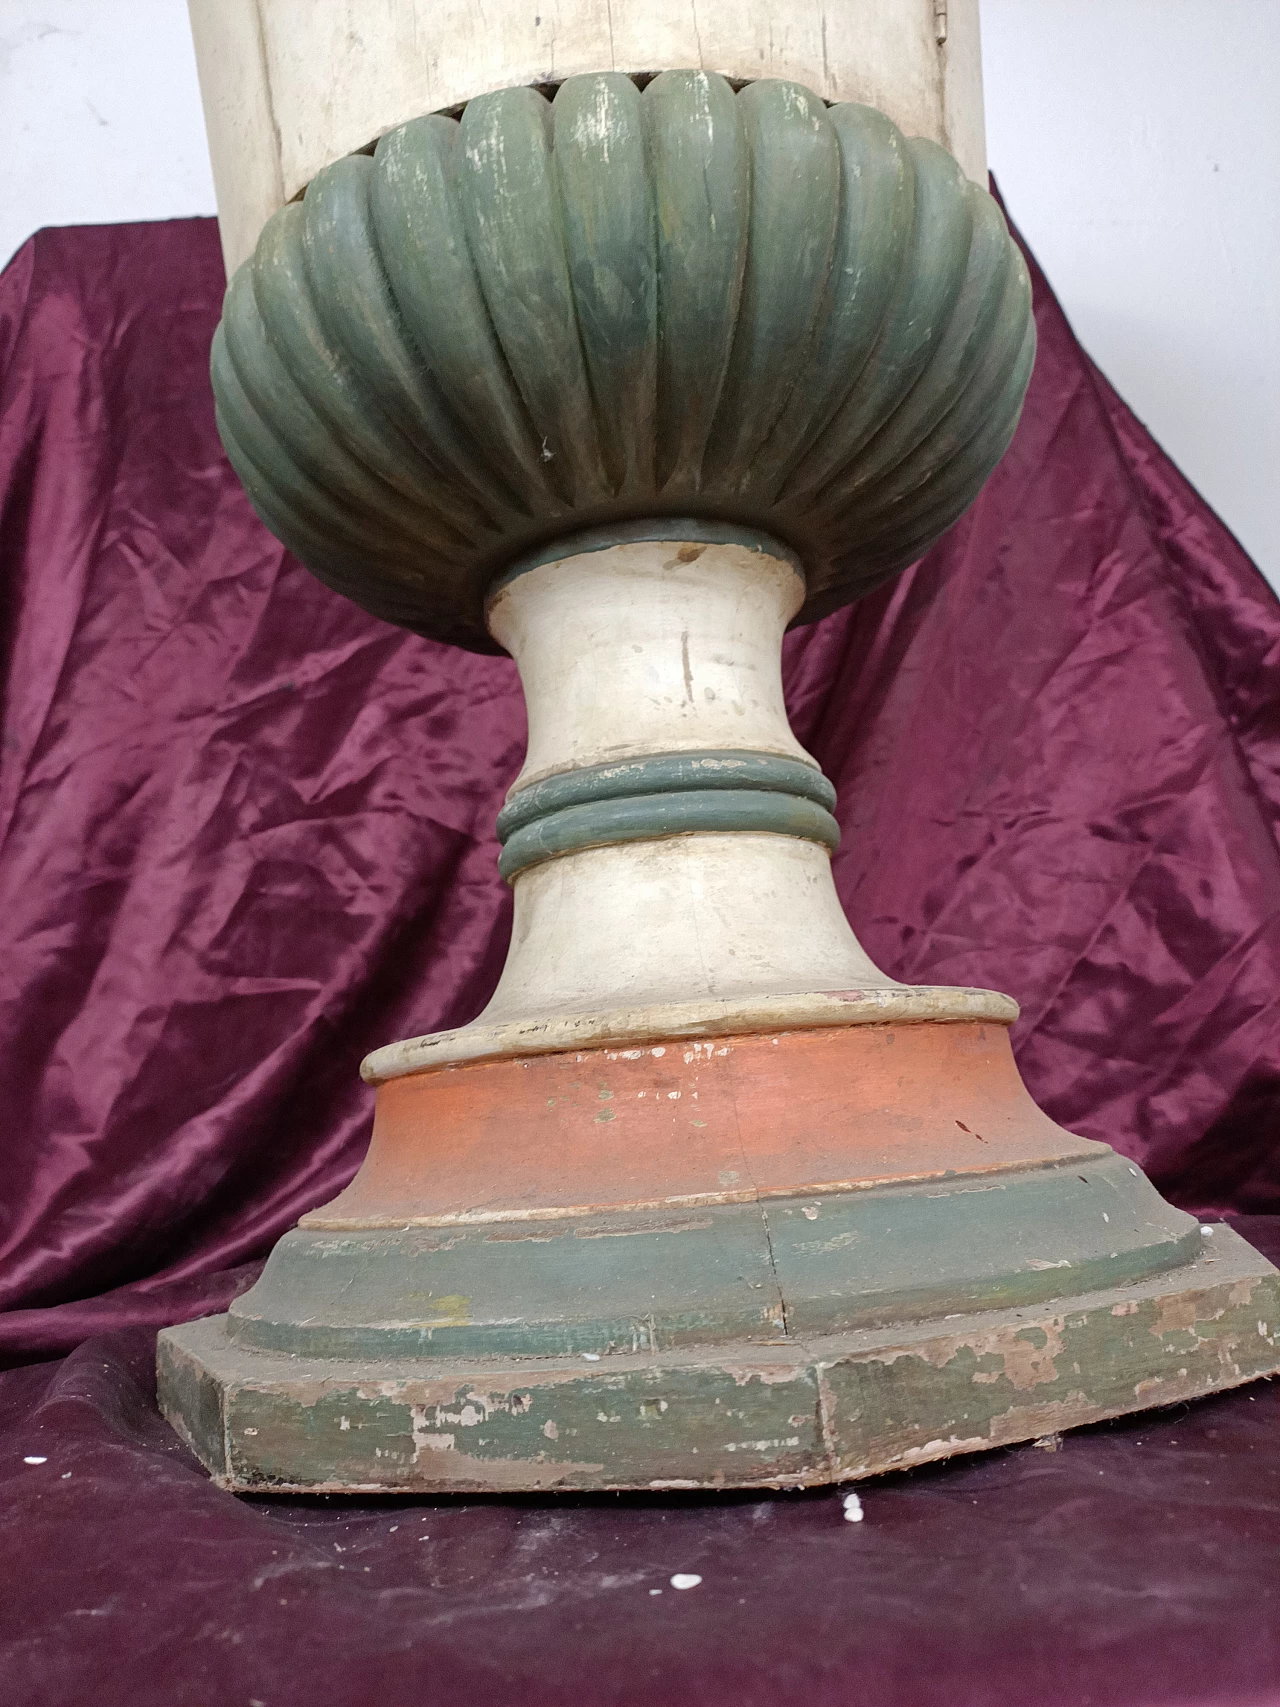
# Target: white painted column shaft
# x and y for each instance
(650, 647)
(721, 916)
(663, 647)
(653, 648)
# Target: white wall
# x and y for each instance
(1136, 141)
(99, 115)
(1137, 144)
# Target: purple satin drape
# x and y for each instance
(246, 834)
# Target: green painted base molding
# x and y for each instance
(789, 1413)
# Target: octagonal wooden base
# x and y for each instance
(794, 1413)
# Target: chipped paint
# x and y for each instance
(425, 1436)
(1026, 1355)
(1179, 1315)
(837, 1242)
(790, 1414)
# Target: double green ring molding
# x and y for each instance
(665, 794)
(551, 316)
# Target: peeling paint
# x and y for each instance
(424, 1438)
(795, 1414)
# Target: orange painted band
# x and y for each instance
(715, 1120)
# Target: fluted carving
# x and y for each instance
(553, 316)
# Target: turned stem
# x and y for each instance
(651, 646)
(672, 838)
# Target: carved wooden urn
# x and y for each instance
(623, 372)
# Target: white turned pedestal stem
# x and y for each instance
(657, 646)
(648, 648)
(632, 652)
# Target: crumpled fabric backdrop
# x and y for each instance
(246, 834)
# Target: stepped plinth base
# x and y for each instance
(771, 1259)
(797, 1413)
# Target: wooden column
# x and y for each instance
(623, 373)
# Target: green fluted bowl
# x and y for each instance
(557, 316)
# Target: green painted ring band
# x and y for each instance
(650, 817)
(665, 773)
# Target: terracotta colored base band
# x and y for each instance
(709, 1121)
